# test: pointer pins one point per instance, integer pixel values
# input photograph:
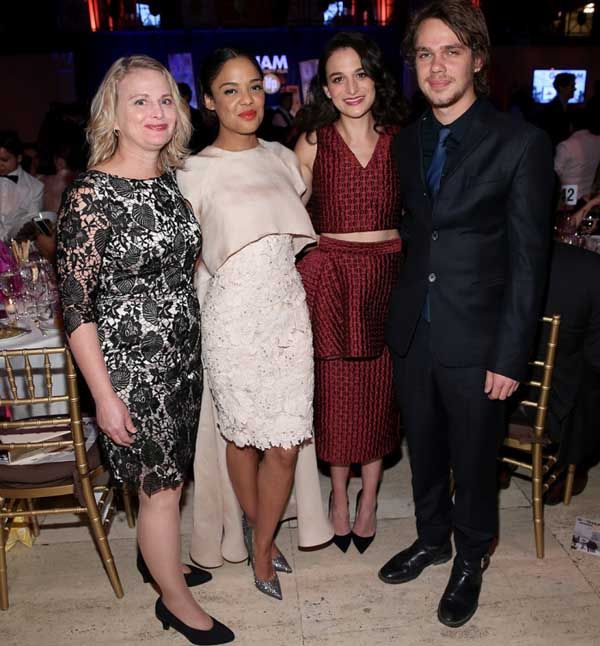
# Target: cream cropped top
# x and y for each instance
(242, 196)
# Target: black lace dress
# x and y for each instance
(126, 253)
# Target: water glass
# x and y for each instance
(11, 286)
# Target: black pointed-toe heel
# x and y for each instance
(341, 540)
(194, 577)
(361, 542)
(218, 634)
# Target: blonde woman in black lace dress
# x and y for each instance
(127, 244)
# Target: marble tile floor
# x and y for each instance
(60, 595)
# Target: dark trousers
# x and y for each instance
(450, 424)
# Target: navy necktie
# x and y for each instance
(12, 178)
(434, 173)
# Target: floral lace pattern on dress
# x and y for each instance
(257, 347)
(125, 256)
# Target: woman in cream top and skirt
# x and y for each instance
(256, 335)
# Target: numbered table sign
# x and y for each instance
(568, 194)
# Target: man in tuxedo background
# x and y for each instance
(21, 194)
(463, 315)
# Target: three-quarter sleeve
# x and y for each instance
(82, 233)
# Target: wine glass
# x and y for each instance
(12, 287)
(589, 223)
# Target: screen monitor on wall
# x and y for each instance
(145, 16)
(543, 88)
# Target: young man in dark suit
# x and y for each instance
(477, 190)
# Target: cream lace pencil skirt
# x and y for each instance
(257, 347)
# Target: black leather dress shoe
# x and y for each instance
(408, 564)
(461, 596)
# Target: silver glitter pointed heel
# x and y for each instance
(271, 587)
(280, 564)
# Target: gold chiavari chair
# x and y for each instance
(528, 446)
(20, 485)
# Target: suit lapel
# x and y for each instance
(419, 155)
(408, 154)
(474, 136)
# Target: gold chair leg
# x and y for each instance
(3, 573)
(538, 505)
(128, 507)
(100, 536)
(569, 484)
(35, 525)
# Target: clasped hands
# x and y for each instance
(498, 386)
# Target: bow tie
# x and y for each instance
(12, 178)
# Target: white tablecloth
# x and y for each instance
(53, 338)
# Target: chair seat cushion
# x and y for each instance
(43, 474)
(524, 434)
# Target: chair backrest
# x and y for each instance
(543, 382)
(39, 387)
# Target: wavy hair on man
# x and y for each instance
(468, 24)
(100, 132)
(319, 111)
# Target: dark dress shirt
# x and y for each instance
(458, 128)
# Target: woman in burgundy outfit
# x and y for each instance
(346, 159)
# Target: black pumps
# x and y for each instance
(195, 577)
(218, 634)
(341, 540)
(361, 542)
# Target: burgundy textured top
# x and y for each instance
(347, 197)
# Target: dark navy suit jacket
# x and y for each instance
(480, 249)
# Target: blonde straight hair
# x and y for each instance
(100, 133)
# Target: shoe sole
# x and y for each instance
(438, 561)
(456, 624)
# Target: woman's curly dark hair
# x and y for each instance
(389, 106)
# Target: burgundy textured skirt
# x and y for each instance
(348, 287)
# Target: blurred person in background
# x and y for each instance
(556, 117)
(203, 132)
(68, 163)
(21, 194)
(282, 118)
(574, 408)
(577, 158)
(30, 161)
